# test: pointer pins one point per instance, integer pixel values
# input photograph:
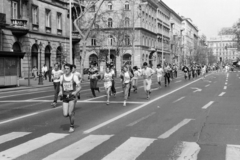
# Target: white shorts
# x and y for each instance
(107, 84)
(147, 84)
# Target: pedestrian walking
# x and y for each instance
(93, 76)
(107, 78)
(126, 77)
(56, 74)
(79, 76)
(147, 73)
(167, 75)
(159, 72)
(136, 74)
(69, 88)
(34, 72)
(44, 71)
(112, 70)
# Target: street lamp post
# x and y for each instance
(40, 82)
(162, 46)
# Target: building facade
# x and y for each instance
(189, 40)
(38, 28)
(224, 48)
(132, 31)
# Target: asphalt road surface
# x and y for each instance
(196, 119)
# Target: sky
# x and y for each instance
(208, 15)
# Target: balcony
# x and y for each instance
(75, 37)
(19, 27)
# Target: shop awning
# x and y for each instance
(12, 54)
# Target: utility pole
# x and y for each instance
(162, 45)
(70, 30)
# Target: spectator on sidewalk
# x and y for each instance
(34, 72)
(56, 74)
(44, 71)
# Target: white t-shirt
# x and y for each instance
(147, 73)
(108, 76)
(72, 76)
(78, 75)
(44, 69)
(56, 75)
(159, 72)
(127, 77)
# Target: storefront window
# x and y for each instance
(1, 66)
(10, 66)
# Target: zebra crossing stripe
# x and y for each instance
(232, 152)
(12, 136)
(174, 129)
(29, 146)
(79, 148)
(130, 149)
(186, 151)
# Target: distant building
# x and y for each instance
(224, 48)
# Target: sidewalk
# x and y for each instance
(23, 84)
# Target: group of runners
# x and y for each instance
(194, 71)
(67, 83)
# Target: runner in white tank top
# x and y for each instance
(160, 72)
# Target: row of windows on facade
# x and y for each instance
(35, 15)
(127, 41)
(220, 44)
(110, 6)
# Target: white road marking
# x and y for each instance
(226, 83)
(179, 99)
(207, 85)
(174, 129)
(137, 108)
(24, 101)
(141, 119)
(29, 146)
(17, 118)
(11, 136)
(208, 105)
(79, 148)
(130, 149)
(225, 87)
(197, 90)
(186, 151)
(22, 94)
(178, 81)
(232, 152)
(221, 94)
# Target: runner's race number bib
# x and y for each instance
(67, 86)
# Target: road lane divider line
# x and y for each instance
(226, 83)
(79, 148)
(185, 151)
(21, 94)
(137, 108)
(141, 119)
(24, 101)
(178, 99)
(17, 118)
(232, 152)
(225, 87)
(221, 94)
(130, 149)
(208, 105)
(11, 136)
(207, 85)
(29, 146)
(174, 129)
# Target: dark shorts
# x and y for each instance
(68, 98)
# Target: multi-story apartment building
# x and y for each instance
(224, 47)
(189, 39)
(39, 28)
(176, 37)
(132, 31)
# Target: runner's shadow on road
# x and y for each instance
(65, 127)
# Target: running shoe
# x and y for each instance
(124, 103)
(71, 129)
(54, 104)
(107, 102)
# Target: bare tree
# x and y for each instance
(84, 23)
